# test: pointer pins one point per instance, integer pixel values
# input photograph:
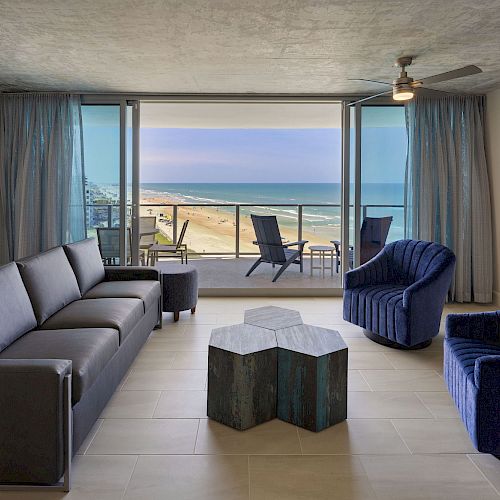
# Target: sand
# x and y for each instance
(213, 230)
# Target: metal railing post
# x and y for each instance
(299, 228)
(237, 231)
(110, 219)
(174, 223)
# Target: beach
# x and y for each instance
(213, 229)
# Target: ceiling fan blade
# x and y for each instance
(450, 75)
(423, 92)
(371, 97)
(365, 80)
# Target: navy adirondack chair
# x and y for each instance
(271, 246)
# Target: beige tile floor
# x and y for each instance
(403, 438)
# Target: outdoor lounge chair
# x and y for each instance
(373, 235)
(108, 239)
(177, 250)
(271, 246)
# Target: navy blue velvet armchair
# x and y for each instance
(398, 296)
(472, 373)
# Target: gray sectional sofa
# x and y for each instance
(69, 330)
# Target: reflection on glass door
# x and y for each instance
(101, 140)
(378, 180)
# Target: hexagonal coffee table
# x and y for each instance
(274, 365)
(242, 378)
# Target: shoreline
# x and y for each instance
(212, 229)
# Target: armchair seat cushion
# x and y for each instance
(120, 314)
(373, 307)
(88, 349)
(147, 291)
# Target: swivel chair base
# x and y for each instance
(390, 343)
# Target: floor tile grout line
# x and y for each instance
(248, 475)
(101, 423)
(366, 380)
(196, 438)
(130, 478)
(426, 407)
(389, 360)
(400, 436)
(482, 473)
(157, 403)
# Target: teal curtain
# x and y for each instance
(42, 201)
(447, 187)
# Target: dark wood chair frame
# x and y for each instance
(272, 249)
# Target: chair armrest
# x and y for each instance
(487, 373)
(479, 326)
(131, 273)
(268, 244)
(295, 243)
(32, 423)
(373, 272)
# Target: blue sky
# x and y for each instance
(245, 155)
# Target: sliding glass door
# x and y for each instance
(377, 180)
(108, 162)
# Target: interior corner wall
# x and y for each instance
(493, 152)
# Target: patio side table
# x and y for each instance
(322, 251)
(180, 287)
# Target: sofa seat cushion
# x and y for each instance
(120, 314)
(88, 349)
(50, 282)
(466, 351)
(85, 259)
(373, 307)
(148, 291)
(16, 313)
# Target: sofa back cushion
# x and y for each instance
(16, 312)
(85, 259)
(50, 282)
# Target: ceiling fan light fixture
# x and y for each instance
(402, 93)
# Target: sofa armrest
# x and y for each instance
(487, 373)
(131, 273)
(35, 403)
(373, 272)
(478, 326)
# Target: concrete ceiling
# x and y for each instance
(241, 46)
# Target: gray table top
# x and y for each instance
(242, 339)
(323, 248)
(272, 317)
(310, 340)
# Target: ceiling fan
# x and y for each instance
(405, 88)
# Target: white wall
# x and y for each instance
(493, 151)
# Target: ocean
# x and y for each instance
(322, 220)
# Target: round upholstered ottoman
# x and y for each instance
(180, 287)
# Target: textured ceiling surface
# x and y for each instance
(240, 46)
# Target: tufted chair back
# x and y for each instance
(411, 260)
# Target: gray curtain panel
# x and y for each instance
(447, 188)
(42, 201)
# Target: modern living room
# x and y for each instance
(124, 376)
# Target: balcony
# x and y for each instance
(220, 242)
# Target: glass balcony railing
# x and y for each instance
(226, 229)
